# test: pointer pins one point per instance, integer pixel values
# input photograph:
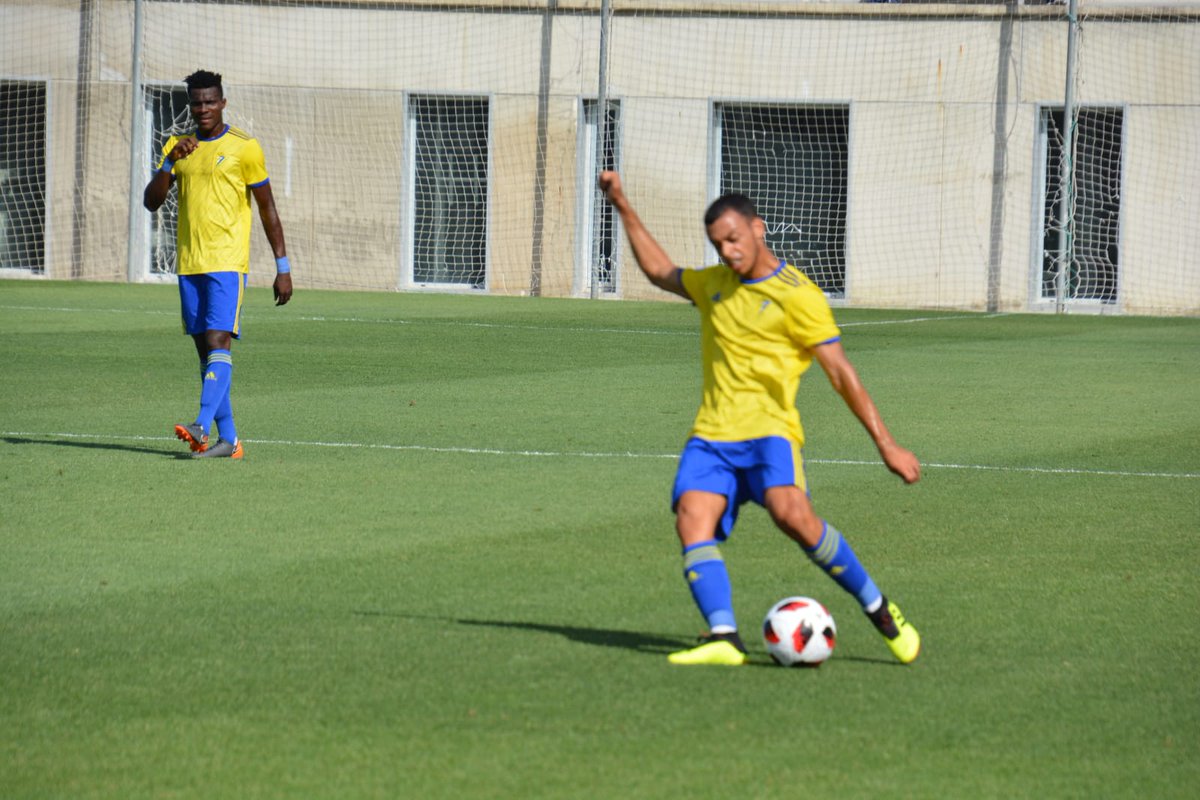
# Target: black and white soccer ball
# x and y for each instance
(799, 632)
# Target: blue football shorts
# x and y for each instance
(741, 471)
(212, 301)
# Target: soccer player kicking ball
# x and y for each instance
(762, 322)
(217, 169)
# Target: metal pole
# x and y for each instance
(601, 130)
(137, 169)
(539, 168)
(1066, 213)
(999, 157)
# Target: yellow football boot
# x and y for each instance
(716, 652)
(901, 637)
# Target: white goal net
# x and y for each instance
(1006, 155)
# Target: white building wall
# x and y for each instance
(325, 90)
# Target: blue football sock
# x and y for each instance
(834, 555)
(215, 387)
(203, 369)
(224, 416)
(709, 582)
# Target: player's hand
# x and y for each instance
(283, 288)
(610, 184)
(183, 148)
(902, 462)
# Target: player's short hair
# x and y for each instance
(730, 202)
(203, 79)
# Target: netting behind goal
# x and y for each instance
(903, 154)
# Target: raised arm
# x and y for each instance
(650, 256)
(845, 381)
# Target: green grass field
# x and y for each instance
(447, 569)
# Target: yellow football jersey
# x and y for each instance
(756, 340)
(215, 219)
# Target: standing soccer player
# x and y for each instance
(217, 169)
(762, 324)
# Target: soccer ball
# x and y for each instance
(799, 632)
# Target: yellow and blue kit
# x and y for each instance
(213, 236)
(215, 218)
(756, 340)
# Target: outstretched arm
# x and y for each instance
(653, 260)
(274, 230)
(845, 381)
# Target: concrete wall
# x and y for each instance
(938, 95)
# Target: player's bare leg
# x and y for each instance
(793, 513)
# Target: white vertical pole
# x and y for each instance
(1066, 214)
(134, 265)
(601, 132)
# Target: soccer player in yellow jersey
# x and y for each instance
(762, 323)
(217, 169)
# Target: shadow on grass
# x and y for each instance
(95, 446)
(603, 637)
(637, 641)
(649, 643)
(654, 643)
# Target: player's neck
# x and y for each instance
(211, 133)
(764, 266)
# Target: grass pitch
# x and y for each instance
(446, 567)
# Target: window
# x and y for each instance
(598, 236)
(23, 176)
(449, 190)
(1092, 271)
(792, 161)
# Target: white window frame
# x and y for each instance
(1037, 300)
(716, 133)
(588, 199)
(31, 271)
(408, 188)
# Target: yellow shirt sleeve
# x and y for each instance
(809, 317)
(691, 280)
(254, 164)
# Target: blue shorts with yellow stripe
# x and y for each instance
(741, 471)
(212, 301)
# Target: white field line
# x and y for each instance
(910, 320)
(639, 331)
(490, 451)
(67, 310)
(497, 325)
(554, 454)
